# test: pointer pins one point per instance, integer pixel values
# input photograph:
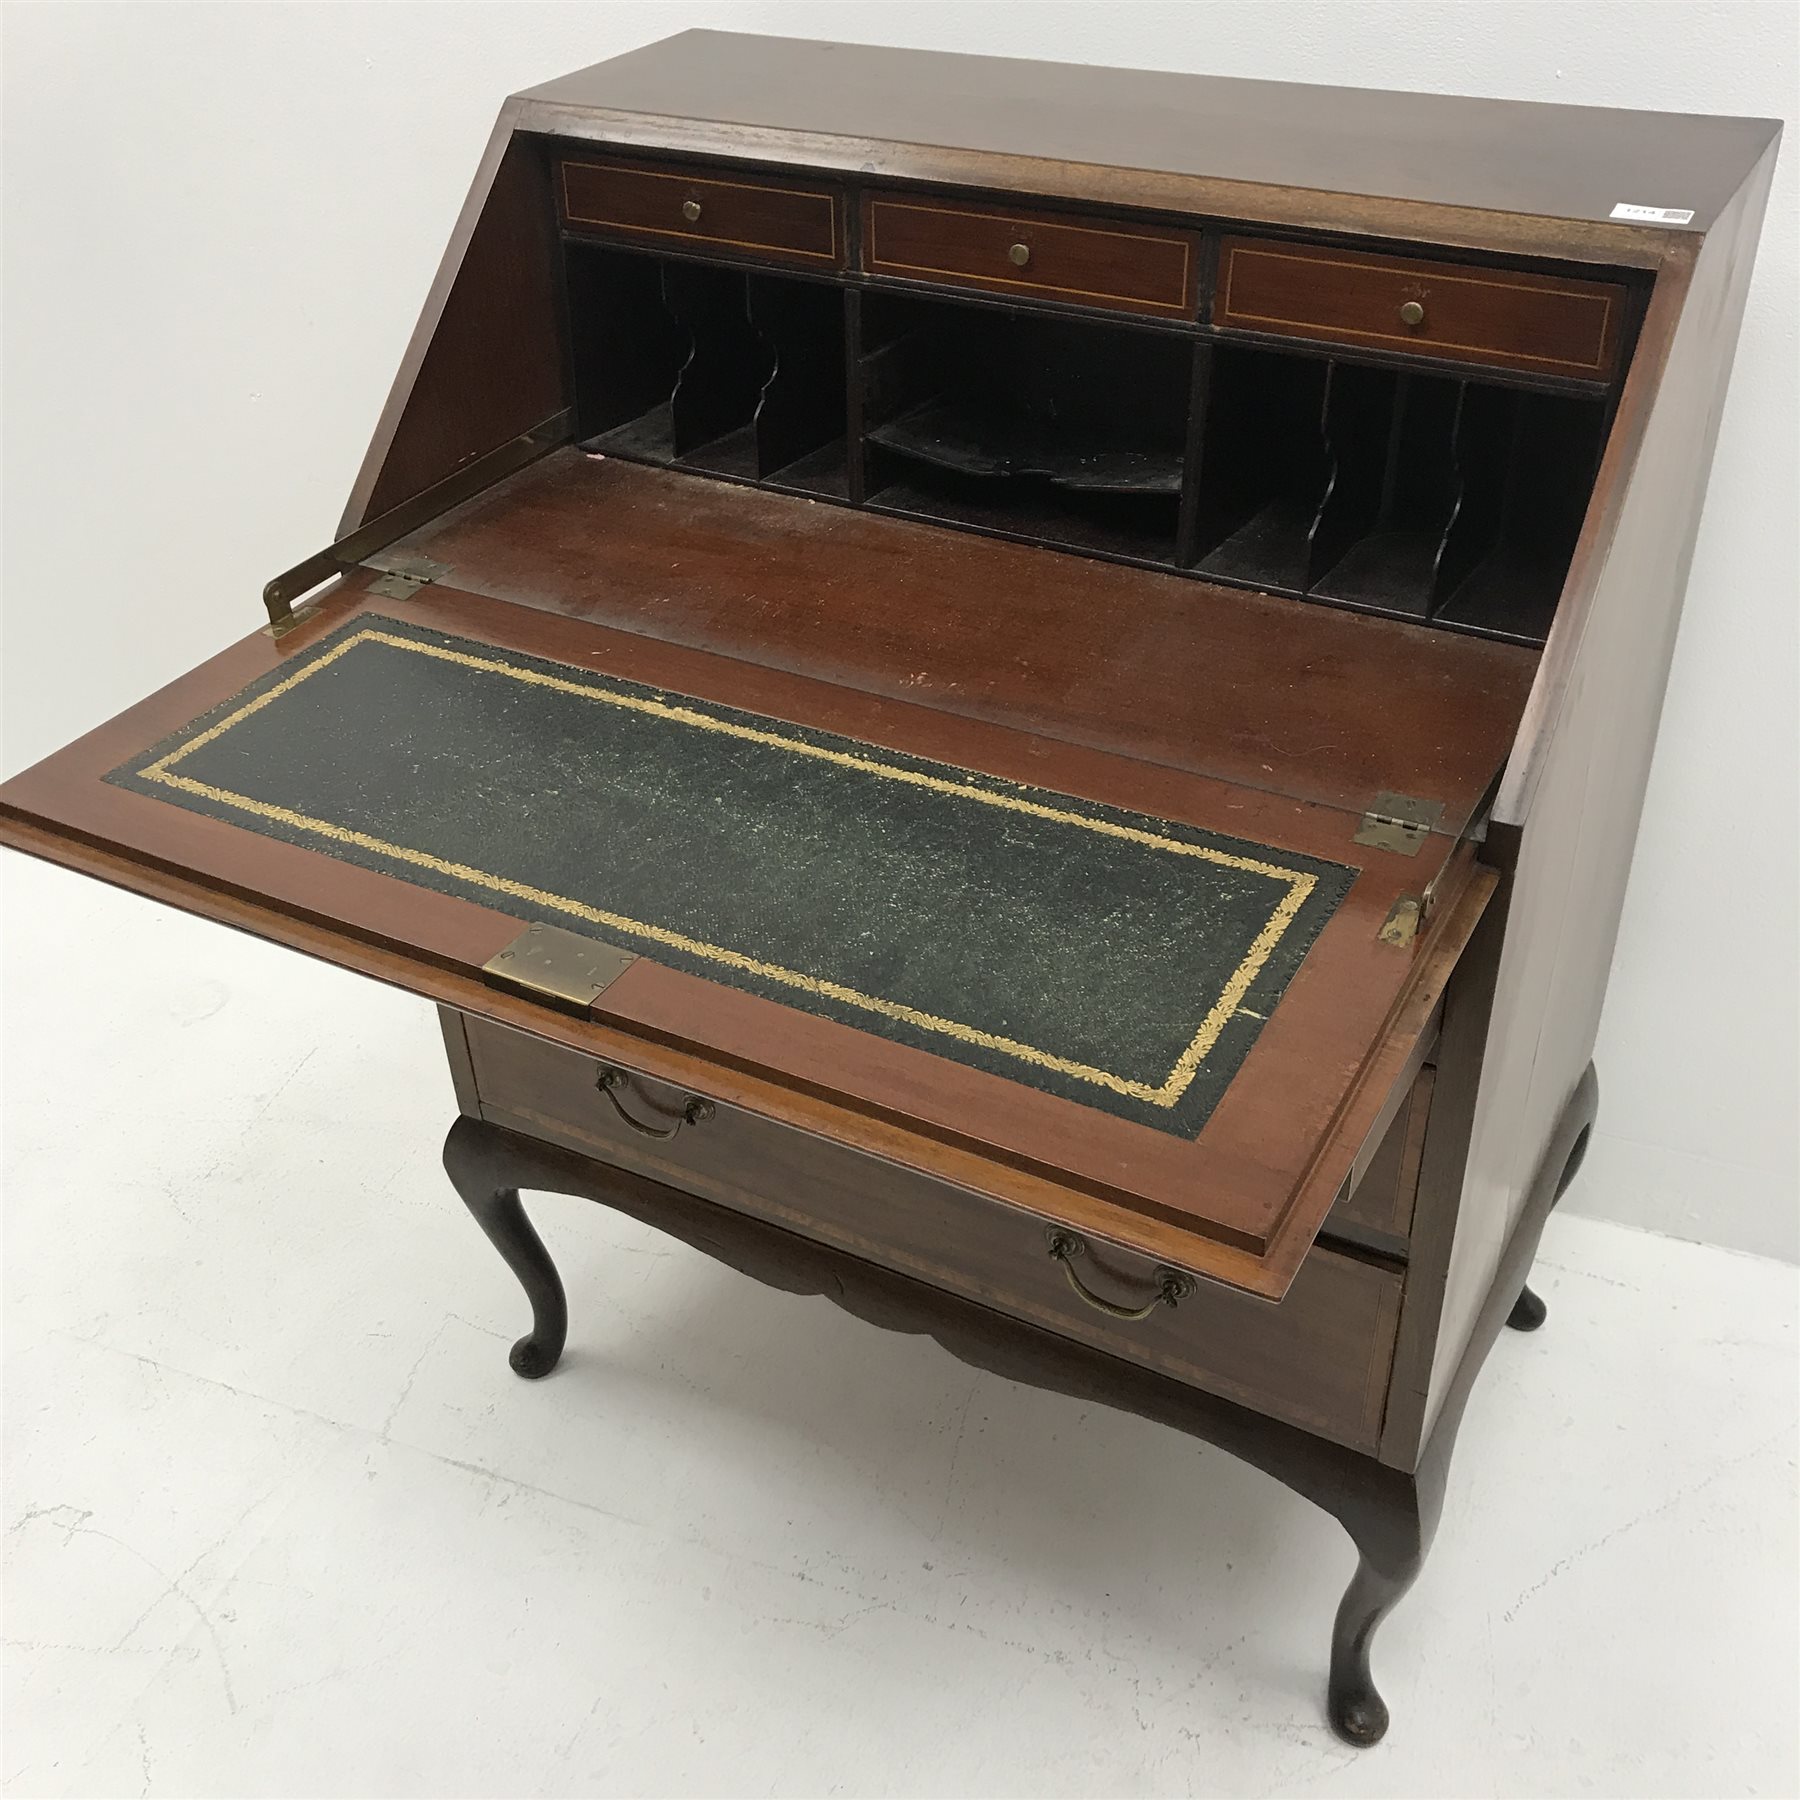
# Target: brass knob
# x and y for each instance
(1019, 255)
(690, 210)
(1412, 313)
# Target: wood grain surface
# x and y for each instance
(1319, 705)
(1113, 264)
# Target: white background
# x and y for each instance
(221, 221)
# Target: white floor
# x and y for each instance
(279, 1521)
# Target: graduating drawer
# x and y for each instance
(1537, 324)
(772, 220)
(1121, 267)
(1320, 1358)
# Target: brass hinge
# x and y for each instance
(561, 968)
(402, 575)
(291, 621)
(1404, 918)
(1399, 822)
(1408, 916)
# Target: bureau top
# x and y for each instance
(1188, 142)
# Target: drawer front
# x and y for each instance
(1122, 267)
(1319, 1359)
(676, 208)
(1538, 324)
(1379, 1208)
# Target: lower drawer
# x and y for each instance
(1318, 1359)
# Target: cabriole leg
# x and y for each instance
(1528, 1312)
(472, 1162)
(1391, 1542)
(1391, 1516)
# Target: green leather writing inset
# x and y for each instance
(1105, 956)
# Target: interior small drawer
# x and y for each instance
(774, 220)
(1537, 324)
(1112, 264)
(1319, 1358)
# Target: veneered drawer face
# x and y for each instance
(1320, 1358)
(1121, 266)
(1537, 324)
(677, 208)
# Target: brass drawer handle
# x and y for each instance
(1019, 255)
(690, 210)
(1412, 313)
(1171, 1285)
(611, 1082)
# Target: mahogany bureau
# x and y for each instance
(1014, 694)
